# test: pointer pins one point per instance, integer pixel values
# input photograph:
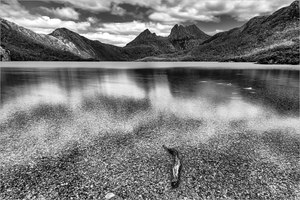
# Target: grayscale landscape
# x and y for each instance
(160, 99)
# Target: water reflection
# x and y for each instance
(63, 124)
(173, 89)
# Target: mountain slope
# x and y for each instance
(61, 44)
(196, 32)
(89, 48)
(260, 34)
(24, 44)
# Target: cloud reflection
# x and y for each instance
(181, 107)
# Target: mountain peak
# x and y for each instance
(285, 14)
(145, 34)
(196, 32)
(66, 34)
(176, 26)
(143, 37)
(295, 4)
(61, 31)
(192, 26)
(295, 7)
(146, 31)
(179, 32)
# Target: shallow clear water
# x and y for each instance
(86, 103)
(90, 124)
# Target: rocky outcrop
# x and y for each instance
(179, 32)
(4, 54)
(148, 44)
(186, 37)
(144, 37)
(196, 33)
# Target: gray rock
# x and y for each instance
(4, 54)
(109, 196)
(112, 196)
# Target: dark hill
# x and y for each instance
(260, 34)
(24, 44)
(148, 44)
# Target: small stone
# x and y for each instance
(109, 195)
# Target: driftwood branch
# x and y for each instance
(176, 166)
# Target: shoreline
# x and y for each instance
(147, 65)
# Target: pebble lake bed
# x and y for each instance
(97, 133)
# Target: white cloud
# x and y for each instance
(244, 10)
(135, 27)
(122, 33)
(163, 17)
(12, 8)
(14, 12)
(45, 24)
(92, 20)
(215, 5)
(214, 32)
(63, 13)
(117, 10)
(208, 10)
(118, 40)
(169, 11)
(181, 13)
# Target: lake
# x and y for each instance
(86, 129)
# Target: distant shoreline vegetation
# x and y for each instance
(272, 39)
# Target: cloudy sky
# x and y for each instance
(119, 21)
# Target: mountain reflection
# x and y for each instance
(174, 89)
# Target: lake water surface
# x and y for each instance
(186, 91)
(44, 110)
